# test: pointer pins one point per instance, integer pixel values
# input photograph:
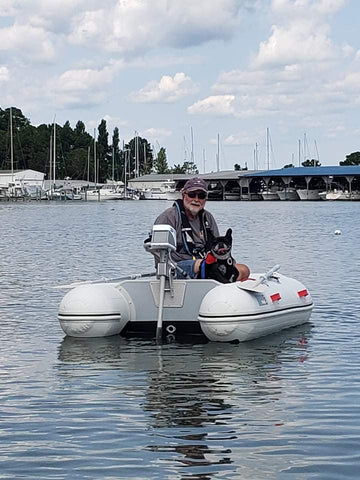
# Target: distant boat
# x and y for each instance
(308, 194)
(269, 194)
(106, 192)
(342, 195)
(232, 195)
(288, 194)
(16, 189)
(166, 191)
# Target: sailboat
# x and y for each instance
(268, 193)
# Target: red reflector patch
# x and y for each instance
(303, 293)
(276, 297)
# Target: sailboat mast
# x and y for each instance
(317, 153)
(136, 155)
(125, 162)
(11, 147)
(50, 161)
(54, 155)
(267, 148)
(192, 145)
(88, 165)
(95, 166)
(113, 164)
(218, 154)
(145, 158)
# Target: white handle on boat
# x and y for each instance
(266, 275)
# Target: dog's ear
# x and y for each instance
(229, 233)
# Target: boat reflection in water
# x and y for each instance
(195, 404)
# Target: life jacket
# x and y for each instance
(188, 243)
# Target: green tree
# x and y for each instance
(289, 165)
(311, 163)
(178, 169)
(103, 153)
(22, 132)
(237, 167)
(352, 159)
(190, 168)
(118, 166)
(140, 149)
(187, 167)
(160, 164)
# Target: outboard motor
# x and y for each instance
(161, 243)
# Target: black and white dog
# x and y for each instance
(218, 263)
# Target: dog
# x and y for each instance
(218, 263)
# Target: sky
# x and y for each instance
(195, 77)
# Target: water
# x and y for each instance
(285, 406)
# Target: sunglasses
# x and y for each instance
(200, 195)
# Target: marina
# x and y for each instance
(287, 184)
(285, 404)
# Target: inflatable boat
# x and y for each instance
(163, 304)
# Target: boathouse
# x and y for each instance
(247, 185)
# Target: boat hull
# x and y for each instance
(97, 310)
(288, 194)
(241, 312)
(269, 196)
(244, 328)
(305, 194)
(342, 196)
(222, 312)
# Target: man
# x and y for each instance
(193, 224)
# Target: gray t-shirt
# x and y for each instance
(171, 217)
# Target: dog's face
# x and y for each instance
(220, 247)
(219, 263)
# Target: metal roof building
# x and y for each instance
(332, 171)
(30, 177)
(245, 184)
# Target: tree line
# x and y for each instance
(76, 152)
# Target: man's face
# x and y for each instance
(194, 201)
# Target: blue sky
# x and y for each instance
(226, 69)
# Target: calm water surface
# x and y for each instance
(286, 406)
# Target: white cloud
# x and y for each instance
(296, 71)
(82, 87)
(243, 81)
(221, 105)
(303, 8)
(301, 34)
(297, 43)
(7, 8)
(167, 90)
(28, 42)
(157, 133)
(4, 74)
(139, 25)
(242, 138)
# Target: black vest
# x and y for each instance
(188, 243)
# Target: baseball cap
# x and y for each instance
(195, 183)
